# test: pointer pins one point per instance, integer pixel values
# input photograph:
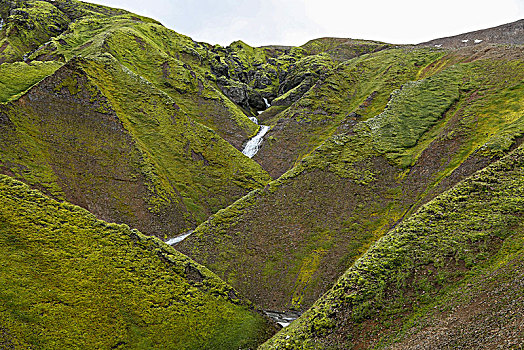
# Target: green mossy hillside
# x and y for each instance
(31, 25)
(308, 226)
(448, 259)
(141, 125)
(342, 49)
(218, 86)
(129, 155)
(72, 281)
(204, 169)
(26, 26)
(171, 61)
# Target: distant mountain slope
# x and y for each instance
(510, 33)
(28, 24)
(342, 49)
(449, 277)
(285, 245)
(72, 281)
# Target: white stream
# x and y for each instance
(179, 238)
(253, 145)
(283, 318)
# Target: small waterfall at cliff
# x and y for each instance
(253, 145)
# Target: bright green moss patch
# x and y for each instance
(69, 280)
(412, 111)
(15, 78)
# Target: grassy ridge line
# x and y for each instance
(30, 24)
(160, 55)
(70, 280)
(456, 234)
(341, 49)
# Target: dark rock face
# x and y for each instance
(296, 92)
(256, 100)
(237, 94)
(261, 80)
(242, 94)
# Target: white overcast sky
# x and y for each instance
(294, 22)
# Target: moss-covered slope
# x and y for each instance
(25, 25)
(355, 90)
(448, 277)
(219, 86)
(286, 244)
(173, 62)
(18, 77)
(342, 49)
(128, 155)
(72, 281)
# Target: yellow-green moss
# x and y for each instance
(70, 280)
(15, 78)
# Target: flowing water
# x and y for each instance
(283, 318)
(253, 145)
(179, 238)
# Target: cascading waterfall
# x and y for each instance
(253, 145)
